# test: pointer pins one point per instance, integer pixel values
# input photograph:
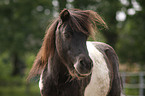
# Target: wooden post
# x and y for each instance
(123, 78)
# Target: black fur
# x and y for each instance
(59, 82)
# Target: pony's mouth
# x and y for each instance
(81, 71)
(78, 74)
(75, 73)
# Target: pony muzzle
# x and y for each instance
(83, 67)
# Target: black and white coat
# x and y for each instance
(104, 81)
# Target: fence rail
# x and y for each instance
(140, 85)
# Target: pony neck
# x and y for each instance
(57, 70)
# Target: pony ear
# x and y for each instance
(64, 15)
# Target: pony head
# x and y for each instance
(67, 37)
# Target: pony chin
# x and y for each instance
(78, 74)
(75, 74)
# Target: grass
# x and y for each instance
(131, 91)
(22, 90)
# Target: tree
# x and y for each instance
(21, 30)
(131, 41)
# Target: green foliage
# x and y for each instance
(22, 29)
(131, 44)
(23, 24)
(5, 66)
(16, 86)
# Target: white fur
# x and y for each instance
(100, 81)
(40, 82)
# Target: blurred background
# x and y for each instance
(22, 28)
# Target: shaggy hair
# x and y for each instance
(80, 20)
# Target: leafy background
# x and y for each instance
(23, 24)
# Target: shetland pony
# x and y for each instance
(69, 65)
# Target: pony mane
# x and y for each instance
(47, 50)
(85, 21)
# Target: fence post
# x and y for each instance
(141, 83)
(123, 78)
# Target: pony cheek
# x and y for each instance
(71, 57)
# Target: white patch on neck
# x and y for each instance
(100, 81)
(40, 82)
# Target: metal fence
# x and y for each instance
(140, 84)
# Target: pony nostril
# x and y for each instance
(82, 63)
(86, 64)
